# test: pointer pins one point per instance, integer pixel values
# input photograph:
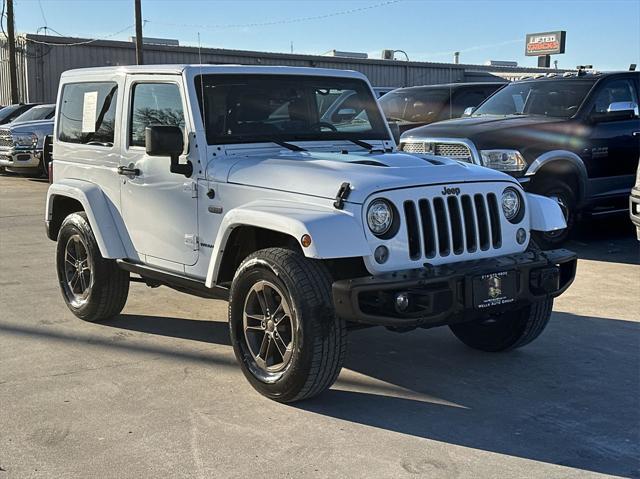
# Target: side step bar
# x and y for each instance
(175, 281)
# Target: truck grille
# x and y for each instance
(6, 141)
(456, 151)
(452, 225)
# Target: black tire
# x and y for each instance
(107, 286)
(508, 330)
(566, 197)
(316, 342)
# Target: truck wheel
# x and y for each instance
(94, 288)
(562, 194)
(285, 334)
(508, 330)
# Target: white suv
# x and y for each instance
(232, 182)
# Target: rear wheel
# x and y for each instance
(508, 330)
(94, 288)
(285, 334)
(565, 196)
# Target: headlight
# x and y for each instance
(512, 206)
(25, 140)
(503, 160)
(380, 217)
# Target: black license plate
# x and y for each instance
(494, 289)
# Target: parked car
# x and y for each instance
(39, 112)
(415, 106)
(10, 112)
(634, 204)
(574, 138)
(22, 141)
(220, 181)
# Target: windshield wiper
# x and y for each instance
(361, 143)
(284, 144)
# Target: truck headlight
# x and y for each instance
(512, 205)
(25, 140)
(380, 217)
(503, 160)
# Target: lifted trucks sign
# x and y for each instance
(546, 43)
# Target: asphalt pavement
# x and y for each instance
(157, 393)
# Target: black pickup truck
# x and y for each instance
(572, 137)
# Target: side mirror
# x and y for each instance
(617, 111)
(166, 140)
(395, 131)
(468, 111)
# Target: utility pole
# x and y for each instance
(11, 40)
(139, 60)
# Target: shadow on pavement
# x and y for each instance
(611, 239)
(570, 398)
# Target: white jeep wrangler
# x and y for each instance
(253, 185)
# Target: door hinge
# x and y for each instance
(192, 240)
(191, 186)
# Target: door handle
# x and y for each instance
(128, 171)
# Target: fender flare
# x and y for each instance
(544, 213)
(563, 155)
(97, 207)
(334, 233)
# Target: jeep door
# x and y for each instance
(158, 207)
(612, 154)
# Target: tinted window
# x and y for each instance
(87, 113)
(554, 98)
(255, 108)
(467, 98)
(614, 91)
(416, 105)
(154, 104)
(8, 113)
(42, 112)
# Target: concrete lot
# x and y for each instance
(157, 393)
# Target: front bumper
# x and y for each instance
(444, 294)
(634, 209)
(16, 158)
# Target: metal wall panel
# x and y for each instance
(5, 87)
(46, 63)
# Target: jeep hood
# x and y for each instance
(321, 174)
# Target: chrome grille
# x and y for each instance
(6, 141)
(456, 151)
(452, 225)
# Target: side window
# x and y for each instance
(466, 99)
(87, 113)
(614, 91)
(154, 104)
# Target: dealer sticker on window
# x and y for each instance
(494, 289)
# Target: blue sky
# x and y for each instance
(604, 33)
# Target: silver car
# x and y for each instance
(22, 140)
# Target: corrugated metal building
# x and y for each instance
(43, 58)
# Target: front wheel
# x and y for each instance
(508, 330)
(285, 334)
(562, 194)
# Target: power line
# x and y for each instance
(84, 42)
(281, 21)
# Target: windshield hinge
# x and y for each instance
(343, 194)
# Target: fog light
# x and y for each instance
(381, 254)
(521, 235)
(402, 302)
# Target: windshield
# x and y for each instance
(414, 105)
(262, 108)
(10, 111)
(554, 98)
(41, 112)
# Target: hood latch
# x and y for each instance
(343, 194)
